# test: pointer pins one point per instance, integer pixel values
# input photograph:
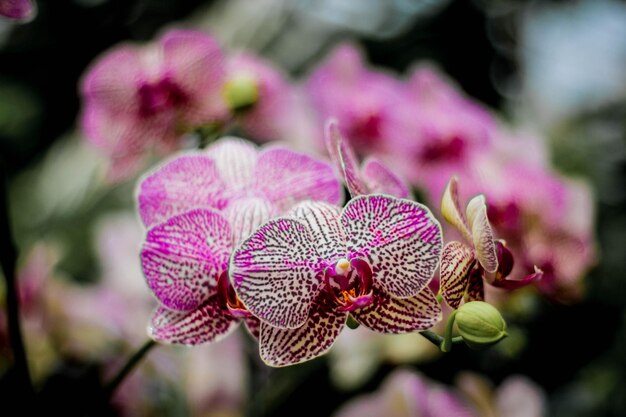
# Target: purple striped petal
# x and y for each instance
(246, 215)
(183, 257)
(207, 323)
(282, 347)
(451, 209)
(457, 260)
(389, 314)
(344, 157)
(273, 273)
(401, 239)
(235, 159)
(286, 178)
(322, 221)
(482, 234)
(475, 287)
(186, 182)
(380, 179)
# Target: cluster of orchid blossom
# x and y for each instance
(241, 234)
(146, 99)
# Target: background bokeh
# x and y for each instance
(557, 68)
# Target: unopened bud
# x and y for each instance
(480, 324)
(241, 92)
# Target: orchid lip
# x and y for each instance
(231, 303)
(349, 283)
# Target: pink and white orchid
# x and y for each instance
(198, 206)
(235, 176)
(140, 98)
(302, 275)
(372, 177)
(465, 266)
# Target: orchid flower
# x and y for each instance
(464, 266)
(235, 176)
(372, 177)
(405, 393)
(302, 275)
(140, 98)
(20, 10)
(184, 261)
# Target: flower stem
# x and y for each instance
(8, 262)
(112, 385)
(446, 345)
(437, 340)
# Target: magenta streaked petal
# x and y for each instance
(286, 177)
(475, 287)
(235, 160)
(22, 10)
(185, 182)
(457, 260)
(482, 234)
(183, 257)
(283, 347)
(273, 273)
(388, 314)
(343, 156)
(401, 239)
(322, 221)
(246, 215)
(380, 179)
(452, 211)
(208, 323)
(112, 81)
(253, 326)
(195, 63)
(513, 284)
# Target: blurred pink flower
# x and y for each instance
(405, 393)
(545, 218)
(275, 113)
(448, 131)
(21, 10)
(370, 107)
(139, 98)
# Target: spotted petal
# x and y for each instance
(183, 257)
(253, 326)
(401, 239)
(482, 234)
(322, 221)
(286, 177)
(451, 209)
(457, 260)
(235, 160)
(282, 347)
(183, 183)
(380, 179)
(273, 273)
(388, 314)
(207, 323)
(343, 156)
(246, 215)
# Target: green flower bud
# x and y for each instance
(480, 324)
(241, 91)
